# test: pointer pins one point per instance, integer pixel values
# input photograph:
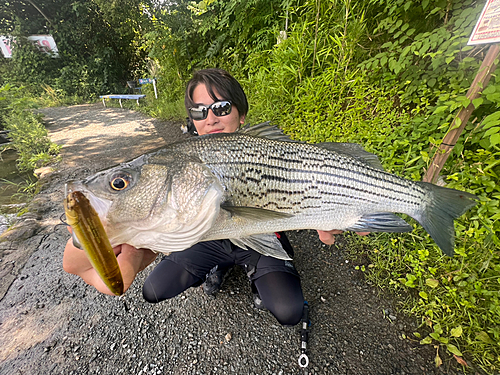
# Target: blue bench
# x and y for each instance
(120, 97)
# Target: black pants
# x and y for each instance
(276, 281)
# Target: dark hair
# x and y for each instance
(222, 82)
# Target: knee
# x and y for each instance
(289, 314)
(150, 294)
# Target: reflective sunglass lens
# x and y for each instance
(198, 113)
(219, 109)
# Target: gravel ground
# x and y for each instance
(53, 323)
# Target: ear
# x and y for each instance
(242, 119)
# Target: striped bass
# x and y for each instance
(245, 185)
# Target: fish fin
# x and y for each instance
(381, 222)
(266, 244)
(354, 151)
(265, 130)
(445, 205)
(255, 214)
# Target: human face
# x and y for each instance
(213, 124)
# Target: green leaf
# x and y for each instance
(426, 340)
(383, 60)
(435, 10)
(423, 295)
(483, 336)
(465, 102)
(491, 131)
(438, 329)
(448, 60)
(453, 349)
(433, 283)
(489, 90)
(438, 361)
(441, 109)
(456, 332)
(477, 102)
(435, 336)
(495, 139)
(491, 120)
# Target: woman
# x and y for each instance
(215, 103)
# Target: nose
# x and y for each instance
(211, 118)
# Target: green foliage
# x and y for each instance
(96, 42)
(430, 70)
(30, 140)
(29, 136)
(187, 35)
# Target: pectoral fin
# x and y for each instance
(255, 214)
(381, 222)
(266, 244)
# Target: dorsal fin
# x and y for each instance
(354, 151)
(265, 130)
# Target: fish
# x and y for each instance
(91, 236)
(245, 186)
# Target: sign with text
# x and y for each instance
(143, 81)
(44, 43)
(487, 29)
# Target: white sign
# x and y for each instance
(44, 43)
(487, 28)
(6, 46)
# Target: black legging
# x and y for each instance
(280, 292)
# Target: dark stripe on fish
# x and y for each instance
(380, 176)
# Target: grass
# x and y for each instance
(456, 299)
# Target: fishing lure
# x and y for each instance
(89, 231)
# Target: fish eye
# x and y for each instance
(119, 182)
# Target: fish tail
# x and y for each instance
(443, 206)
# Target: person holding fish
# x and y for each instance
(216, 103)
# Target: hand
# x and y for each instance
(329, 238)
(130, 260)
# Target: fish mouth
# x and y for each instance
(100, 205)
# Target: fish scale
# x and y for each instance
(302, 182)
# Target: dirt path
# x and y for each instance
(53, 323)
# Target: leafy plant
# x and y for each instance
(29, 136)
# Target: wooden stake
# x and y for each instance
(457, 126)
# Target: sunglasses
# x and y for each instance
(219, 109)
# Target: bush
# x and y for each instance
(29, 136)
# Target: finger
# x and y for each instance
(118, 249)
(363, 233)
(74, 260)
(326, 237)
